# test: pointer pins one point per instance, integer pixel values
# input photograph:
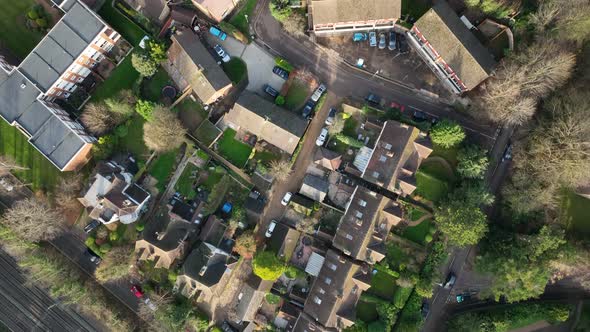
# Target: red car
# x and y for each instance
(400, 107)
(136, 290)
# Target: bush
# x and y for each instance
(292, 272)
(353, 142)
(272, 299)
(113, 236)
(41, 22)
(32, 14)
(104, 248)
(284, 64)
(268, 266)
(139, 227)
(400, 297)
(172, 276)
(280, 100)
(122, 131)
(145, 109)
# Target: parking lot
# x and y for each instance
(404, 67)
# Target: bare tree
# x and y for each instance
(337, 126)
(280, 169)
(97, 118)
(123, 105)
(545, 15)
(33, 220)
(164, 132)
(306, 225)
(9, 164)
(246, 245)
(67, 191)
(116, 264)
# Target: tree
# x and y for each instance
(447, 134)
(473, 162)
(123, 105)
(67, 191)
(462, 224)
(245, 245)
(143, 64)
(280, 170)
(157, 51)
(473, 193)
(145, 108)
(7, 163)
(165, 132)
(32, 220)
(337, 126)
(351, 141)
(115, 265)
(306, 225)
(280, 100)
(268, 266)
(97, 118)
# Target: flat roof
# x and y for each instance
(341, 11)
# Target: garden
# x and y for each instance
(297, 95)
(233, 150)
(161, 169)
(207, 133)
(241, 19)
(235, 69)
(15, 33)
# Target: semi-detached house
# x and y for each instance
(62, 60)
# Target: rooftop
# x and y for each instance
(336, 11)
(205, 264)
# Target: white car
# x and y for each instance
(222, 54)
(271, 228)
(322, 138)
(318, 93)
(286, 198)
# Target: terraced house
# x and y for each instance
(53, 70)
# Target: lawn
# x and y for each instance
(430, 187)
(185, 184)
(121, 78)
(577, 213)
(214, 178)
(415, 8)
(13, 32)
(296, 96)
(207, 132)
(162, 168)
(418, 233)
(383, 285)
(127, 28)
(41, 173)
(438, 168)
(233, 150)
(266, 157)
(235, 69)
(133, 142)
(449, 154)
(152, 87)
(240, 21)
(366, 311)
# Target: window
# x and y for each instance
(322, 291)
(387, 146)
(359, 214)
(80, 79)
(359, 222)
(332, 266)
(317, 300)
(362, 203)
(382, 158)
(328, 281)
(376, 175)
(348, 236)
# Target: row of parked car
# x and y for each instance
(397, 41)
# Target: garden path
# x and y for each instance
(421, 219)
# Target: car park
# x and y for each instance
(271, 228)
(450, 282)
(282, 73)
(391, 41)
(359, 36)
(92, 256)
(382, 41)
(217, 32)
(322, 138)
(271, 91)
(373, 99)
(136, 290)
(91, 226)
(307, 109)
(286, 199)
(317, 94)
(222, 53)
(372, 39)
(331, 117)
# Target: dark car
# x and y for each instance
(281, 72)
(91, 226)
(94, 258)
(269, 89)
(450, 282)
(308, 109)
(373, 99)
(402, 43)
(425, 309)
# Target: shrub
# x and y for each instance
(104, 248)
(145, 109)
(32, 14)
(428, 238)
(143, 64)
(284, 64)
(272, 298)
(139, 227)
(268, 266)
(172, 276)
(122, 131)
(400, 297)
(113, 236)
(353, 142)
(41, 22)
(280, 100)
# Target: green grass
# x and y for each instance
(350, 126)
(395, 253)
(213, 178)
(418, 233)
(152, 87)
(449, 154)
(366, 311)
(133, 142)
(207, 132)
(430, 187)
(383, 285)
(296, 95)
(162, 168)
(266, 157)
(121, 78)
(239, 20)
(438, 169)
(416, 8)
(184, 185)
(42, 174)
(577, 214)
(233, 150)
(584, 322)
(127, 28)
(13, 32)
(235, 69)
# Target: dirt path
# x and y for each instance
(421, 219)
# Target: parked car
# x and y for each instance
(317, 94)
(150, 304)
(331, 117)
(359, 36)
(450, 282)
(269, 89)
(507, 153)
(308, 109)
(136, 290)
(402, 43)
(322, 138)
(399, 106)
(420, 116)
(463, 297)
(281, 72)
(286, 199)
(92, 256)
(372, 39)
(391, 41)
(217, 32)
(222, 53)
(271, 228)
(382, 41)
(373, 99)
(91, 226)
(425, 309)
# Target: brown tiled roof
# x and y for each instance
(327, 158)
(217, 8)
(336, 11)
(458, 47)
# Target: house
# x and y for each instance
(284, 240)
(216, 10)
(302, 204)
(287, 316)
(156, 11)
(165, 244)
(113, 196)
(341, 16)
(335, 292)
(314, 187)
(395, 158)
(327, 159)
(267, 121)
(180, 210)
(204, 273)
(191, 65)
(450, 49)
(64, 58)
(363, 228)
(213, 230)
(250, 298)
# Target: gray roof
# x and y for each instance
(314, 187)
(174, 233)
(62, 45)
(253, 292)
(205, 255)
(57, 141)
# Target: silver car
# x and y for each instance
(382, 41)
(222, 54)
